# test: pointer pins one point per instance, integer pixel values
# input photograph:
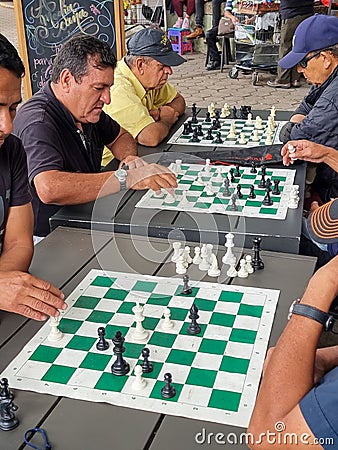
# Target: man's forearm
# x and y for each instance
(331, 158)
(178, 104)
(16, 258)
(123, 146)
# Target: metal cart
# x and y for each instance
(257, 39)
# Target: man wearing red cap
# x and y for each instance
(144, 103)
(315, 54)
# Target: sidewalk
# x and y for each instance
(199, 86)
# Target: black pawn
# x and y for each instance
(268, 184)
(207, 117)
(237, 172)
(262, 183)
(199, 130)
(102, 344)
(190, 128)
(209, 135)
(252, 192)
(218, 139)
(267, 199)
(253, 167)
(186, 290)
(168, 390)
(276, 190)
(186, 130)
(147, 367)
(194, 328)
(232, 177)
(233, 206)
(217, 123)
(4, 390)
(226, 192)
(214, 125)
(233, 112)
(8, 421)
(217, 114)
(195, 137)
(257, 263)
(120, 366)
(239, 191)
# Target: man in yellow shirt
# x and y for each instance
(143, 102)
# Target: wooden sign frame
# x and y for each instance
(74, 8)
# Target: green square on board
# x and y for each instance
(86, 302)
(100, 316)
(250, 310)
(226, 400)
(95, 361)
(69, 326)
(162, 339)
(201, 377)
(194, 291)
(110, 382)
(156, 392)
(159, 299)
(213, 346)
(84, 343)
(205, 305)
(103, 281)
(58, 374)
(222, 319)
(271, 211)
(126, 308)
(234, 365)
(112, 329)
(45, 354)
(244, 336)
(183, 357)
(116, 294)
(144, 286)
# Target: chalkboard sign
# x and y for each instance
(44, 25)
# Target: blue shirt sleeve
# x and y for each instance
(319, 408)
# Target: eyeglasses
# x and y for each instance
(304, 62)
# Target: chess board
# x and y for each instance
(215, 373)
(199, 201)
(241, 127)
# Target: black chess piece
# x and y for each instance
(257, 263)
(252, 192)
(239, 191)
(217, 123)
(268, 184)
(253, 167)
(243, 112)
(102, 344)
(194, 118)
(217, 114)
(120, 366)
(168, 390)
(262, 182)
(218, 139)
(233, 113)
(263, 169)
(146, 365)
(193, 328)
(190, 128)
(237, 172)
(267, 199)
(195, 137)
(276, 190)
(232, 177)
(186, 131)
(4, 390)
(8, 421)
(233, 206)
(209, 135)
(214, 125)
(199, 130)
(207, 117)
(194, 109)
(186, 290)
(226, 191)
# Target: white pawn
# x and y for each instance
(55, 334)
(186, 255)
(199, 181)
(139, 383)
(211, 110)
(232, 132)
(184, 200)
(167, 324)
(204, 264)
(209, 190)
(207, 166)
(242, 139)
(197, 256)
(273, 111)
(180, 266)
(177, 251)
(248, 264)
(249, 119)
(268, 140)
(255, 137)
(258, 123)
(170, 198)
(214, 270)
(232, 272)
(179, 170)
(219, 177)
(242, 273)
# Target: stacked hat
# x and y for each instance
(323, 223)
(314, 33)
(154, 43)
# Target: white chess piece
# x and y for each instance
(229, 257)
(170, 198)
(232, 131)
(178, 163)
(273, 111)
(214, 270)
(197, 256)
(258, 123)
(186, 255)
(180, 266)
(255, 137)
(177, 251)
(242, 273)
(248, 264)
(207, 166)
(199, 181)
(204, 264)
(268, 140)
(291, 150)
(293, 199)
(184, 200)
(140, 335)
(167, 324)
(209, 189)
(139, 382)
(219, 178)
(242, 139)
(249, 119)
(211, 109)
(158, 194)
(232, 272)
(55, 334)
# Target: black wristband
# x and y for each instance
(313, 313)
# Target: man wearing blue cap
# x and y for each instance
(315, 54)
(144, 103)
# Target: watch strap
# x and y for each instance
(313, 313)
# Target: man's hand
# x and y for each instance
(133, 162)
(305, 150)
(29, 296)
(151, 176)
(155, 114)
(168, 115)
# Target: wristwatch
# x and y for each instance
(312, 313)
(121, 175)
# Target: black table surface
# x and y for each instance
(64, 258)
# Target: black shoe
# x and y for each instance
(214, 65)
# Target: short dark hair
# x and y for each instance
(9, 57)
(75, 53)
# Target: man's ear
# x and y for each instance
(139, 64)
(66, 79)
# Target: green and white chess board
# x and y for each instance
(198, 200)
(216, 373)
(241, 126)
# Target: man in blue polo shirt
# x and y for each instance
(20, 292)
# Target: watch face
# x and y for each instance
(121, 174)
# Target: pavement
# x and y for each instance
(199, 86)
